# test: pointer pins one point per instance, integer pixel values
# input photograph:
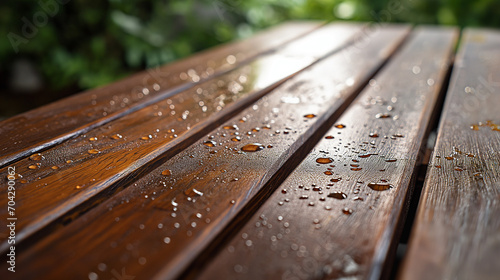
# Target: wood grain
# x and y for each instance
(337, 214)
(456, 234)
(46, 126)
(75, 171)
(159, 224)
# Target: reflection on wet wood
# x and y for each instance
(161, 222)
(126, 148)
(51, 124)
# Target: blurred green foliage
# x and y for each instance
(91, 43)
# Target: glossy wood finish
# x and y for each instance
(457, 229)
(159, 224)
(338, 213)
(46, 126)
(129, 147)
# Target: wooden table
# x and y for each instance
(299, 153)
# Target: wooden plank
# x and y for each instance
(63, 177)
(337, 214)
(43, 127)
(159, 224)
(456, 232)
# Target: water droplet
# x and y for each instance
(69, 161)
(304, 196)
(337, 195)
(324, 160)
(102, 266)
(231, 59)
(328, 172)
(252, 147)
(329, 137)
(147, 137)
(93, 151)
(347, 211)
(373, 135)
(283, 191)
(339, 125)
(36, 157)
(93, 276)
(364, 155)
(269, 146)
(448, 158)
(231, 127)
(93, 139)
(310, 116)
(33, 166)
(356, 168)
(236, 139)
(478, 175)
(335, 179)
(166, 172)
(382, 115)
(192, 192)
(166, 240)
(390, 160)
(379, 186)
(210, 143)
(116, 136)
(55, 167)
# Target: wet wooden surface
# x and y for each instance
(338, 213)
(290, 155)
(457, 229)
(57, 180)
(182, 205)
(46, 126)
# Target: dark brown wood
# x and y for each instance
(456, 232)
(48, 125)
(338, 213)
(159, 224)
(75, 171)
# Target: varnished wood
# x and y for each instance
(325, 221)
(456, 234)
(51, 124)
(75, 171)
(138, 232)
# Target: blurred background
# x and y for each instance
(54, 48)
